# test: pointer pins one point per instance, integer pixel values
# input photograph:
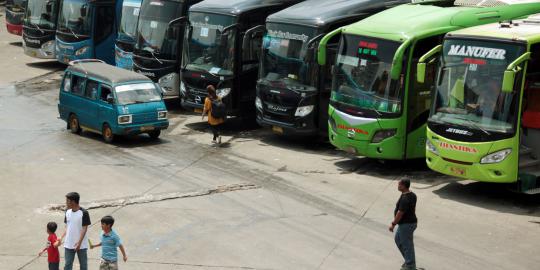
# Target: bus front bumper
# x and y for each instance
(39, 53)
(390, 148)
(502, 172)
(283, 128)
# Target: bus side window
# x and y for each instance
(91, 89)
(66, 84)
(104, 22)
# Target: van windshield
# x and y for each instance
(137, 93)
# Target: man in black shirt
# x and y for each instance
(405, 217)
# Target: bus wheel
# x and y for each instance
(74, 124)
(107, 133)
(154, 134)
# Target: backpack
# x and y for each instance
(219, 109)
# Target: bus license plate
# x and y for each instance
(278, 130)
(457, 171)
(198, 110)
(147, 128)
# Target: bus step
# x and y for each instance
(524, 150)
(533, 191)
(525, 162)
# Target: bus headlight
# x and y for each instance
(48, 46)
(168, 81)
(223, 92)
(383, 134)
(258, 103)
(162, 115)
(183, 89)
(304, 110)
(496, 157)
(125, 119)
(82, 51)
(431, 148)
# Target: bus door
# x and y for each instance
(103, 33)
(419, 98)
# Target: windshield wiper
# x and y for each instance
(151, 51)
(37, 26)
(70, 30)
(474, 125)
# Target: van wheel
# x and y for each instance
(107, 133)
(154, 134)
(74, 124)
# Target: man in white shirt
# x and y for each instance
(77, 221)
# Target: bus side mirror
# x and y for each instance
(83, 11)
(421, 72)
(48, 7)
(508, 81)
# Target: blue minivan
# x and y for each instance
(110, 101)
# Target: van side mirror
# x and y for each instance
(110, 100)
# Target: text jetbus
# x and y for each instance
(160, 35)
(15, 15)
(123, 48)
(223, 49)
(485, 119)
(377, 107)
(39, 28)
(87, 29)
(293, 90)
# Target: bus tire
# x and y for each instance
(107, 133)
(74, 124)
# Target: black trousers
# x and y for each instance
(216, 129)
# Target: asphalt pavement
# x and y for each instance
(259, 202)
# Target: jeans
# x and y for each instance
(54, 266)
(405, 244)
(70, 257)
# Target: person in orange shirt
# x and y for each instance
(212, 102)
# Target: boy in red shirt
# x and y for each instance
(52, 247)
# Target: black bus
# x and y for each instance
(293, 91)
(222, 48)
(158, 47)
(39, 28)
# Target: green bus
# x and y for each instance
(484, 123)
(377, 107)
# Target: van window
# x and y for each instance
(91, 89)
(77, 85)
(67, 82)
(105, 92)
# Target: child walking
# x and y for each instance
(215, 117)
(53, 256)
(110, 242)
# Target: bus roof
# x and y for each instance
(410, 21)
(237, 7)
(527, 30)
(107, 73)
(318, 13)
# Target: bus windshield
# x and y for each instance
(75, 18)
(362, 78)
(285, 48)
(137, 93)
(469, 88)
(209, 48)
(130, 17)
(156, 37)
(42, 14)
(15, 11)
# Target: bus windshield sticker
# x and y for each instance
(204, 32)
(153, 24)
(348, 60)
(477, 52)
(156, 3)
(136, 11)
(287, 35)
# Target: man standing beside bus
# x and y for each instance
(405, 218)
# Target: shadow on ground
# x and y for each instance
(16, 43)
(135, 141)
(48, 65)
